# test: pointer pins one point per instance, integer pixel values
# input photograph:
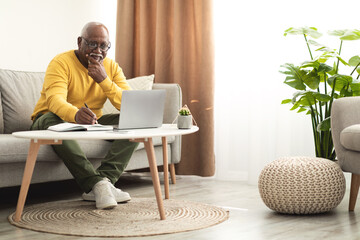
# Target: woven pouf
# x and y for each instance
(302, 185)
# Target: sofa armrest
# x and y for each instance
(1, 117)
(344, 113)
(173, 103)
(173, 100)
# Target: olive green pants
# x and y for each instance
(75, 160)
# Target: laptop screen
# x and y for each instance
(142, 109)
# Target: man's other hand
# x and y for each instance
(96, 68)
(85, 116)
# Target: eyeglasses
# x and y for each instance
(94, 45)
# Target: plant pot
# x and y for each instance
(184, 122)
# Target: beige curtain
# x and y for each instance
(173, 39)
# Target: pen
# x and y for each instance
(96, 122)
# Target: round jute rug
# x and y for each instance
(139, 217)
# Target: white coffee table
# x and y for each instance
(46, 137)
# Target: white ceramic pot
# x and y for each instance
(184, 122)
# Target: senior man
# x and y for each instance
(72, 79)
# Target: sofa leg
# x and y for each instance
(354, 189)
(172, 173)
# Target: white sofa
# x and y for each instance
(19, 92)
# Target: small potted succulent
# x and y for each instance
(184, 120)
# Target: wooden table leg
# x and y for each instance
(172, 173)
(28, 171)
(166, 168)
(155, 176)
(354, 189)
(29, 168)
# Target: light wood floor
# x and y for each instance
(249, 217)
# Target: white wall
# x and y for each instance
(34, 31)
(252, 127)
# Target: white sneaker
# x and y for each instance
(119, 195)
(103, 195)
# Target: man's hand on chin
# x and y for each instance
(96, 68)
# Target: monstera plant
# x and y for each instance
(324, 77)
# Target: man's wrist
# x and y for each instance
(75, 117)
(101, 80)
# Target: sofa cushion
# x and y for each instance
(19, 93)
(142, 83)
(350, 137)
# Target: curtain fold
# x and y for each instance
(174, 40)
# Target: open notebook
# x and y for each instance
(65, 127)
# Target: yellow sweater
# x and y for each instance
(67, 86)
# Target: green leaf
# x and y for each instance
(354, 61)
(294, 76)
(320, 67)
(312, 79)
(285, 101)
(342, 81)
(336, 95)
(321, 47)
(324, 68)
(325, 125)
(338, 33)
(346, 92)
(351, 35)
(322, 97)
(325, 56)
(322, 77)
(296, 95)
(324, 49)
(296, 105)
(309, 31)
(307, 100)
(313, 64)
(346, 34)
(301, 109)
(315, 43)
(342, 61)
(333, 71)
(355, 87)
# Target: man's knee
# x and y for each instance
(46, 120)
(109, 119)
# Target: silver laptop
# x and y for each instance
(142, 109)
